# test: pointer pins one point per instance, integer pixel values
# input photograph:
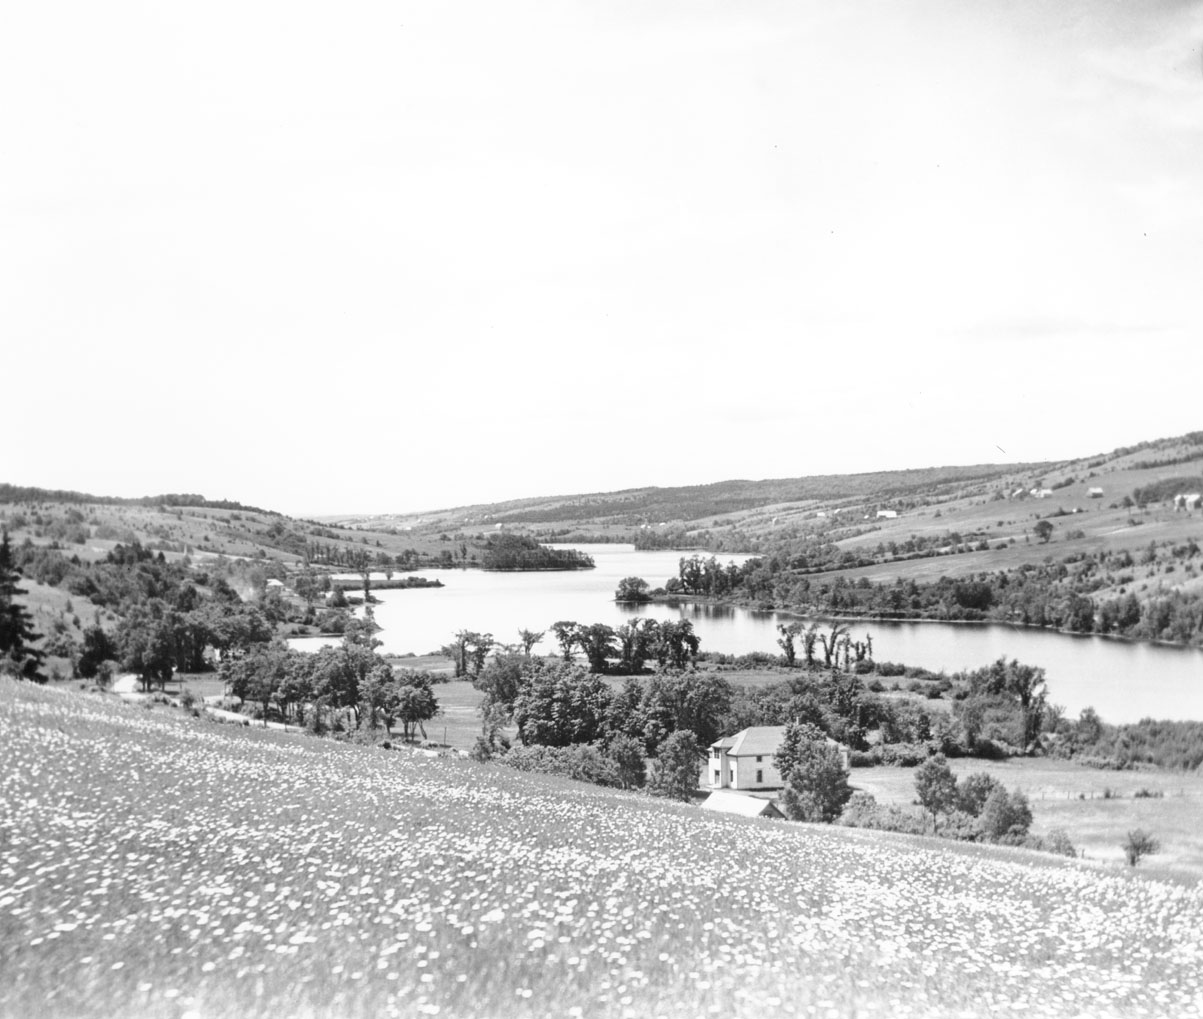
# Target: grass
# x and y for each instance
(1095, 808)
(156, 865)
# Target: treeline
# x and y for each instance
(517, 552)
(345, 687)
(1063, 595)
(19, 493)
(1166, 488)
(1162, 744)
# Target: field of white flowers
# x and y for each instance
(157, 865)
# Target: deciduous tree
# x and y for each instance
(816, 787)
(675, 770)
(935, 785)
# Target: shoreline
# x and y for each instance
(832, 617)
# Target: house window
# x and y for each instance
(759, 777)
(732, 775)
(759, 759)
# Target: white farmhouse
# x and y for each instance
(745, 760)
(887, 514)
(1094, 493)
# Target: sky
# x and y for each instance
(390, 257)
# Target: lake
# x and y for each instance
(1123, 681)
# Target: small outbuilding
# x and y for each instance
(740, 803)
(1094, 493)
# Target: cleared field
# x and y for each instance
(1095, 808)
(154, 865)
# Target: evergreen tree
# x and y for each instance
(17, 656)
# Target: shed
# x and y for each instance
(739, 803)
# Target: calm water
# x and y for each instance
(1122, 681)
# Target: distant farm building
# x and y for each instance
(1188, 501)
(741, 804)
(887, 514)
(1094, 493)
(1041, 493)
(745, 760)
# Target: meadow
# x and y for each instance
(152, 864)
(1095, 807)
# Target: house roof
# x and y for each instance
(738, 803)
(755, 741)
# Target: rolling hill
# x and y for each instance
(152, 864)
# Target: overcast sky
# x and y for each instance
(393, 256)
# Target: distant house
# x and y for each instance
(887, 514)
(745, 760)
(1094, 493)
(1188, 501)
(739, 803)
(1041, 493)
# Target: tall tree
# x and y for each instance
(936, 786)
(598, 643)
(788, 635)
(17, 634)
(675, 771)
(528, 639)
(677, 643)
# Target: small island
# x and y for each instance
(515, 552)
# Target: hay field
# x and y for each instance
(156, 865)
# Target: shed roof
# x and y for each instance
(738, 803)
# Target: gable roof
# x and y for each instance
(737, 803)
(756, 741)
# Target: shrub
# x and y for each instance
(903, 755)
(582, 762)
(974, 790)
(1057, 841)
(1006, 817)
(863, 811)
(1140, 843)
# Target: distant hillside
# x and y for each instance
(697, 502)
(19, 493)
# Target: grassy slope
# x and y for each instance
(155, 865)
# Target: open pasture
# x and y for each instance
(156, 865)
(1096, 808)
